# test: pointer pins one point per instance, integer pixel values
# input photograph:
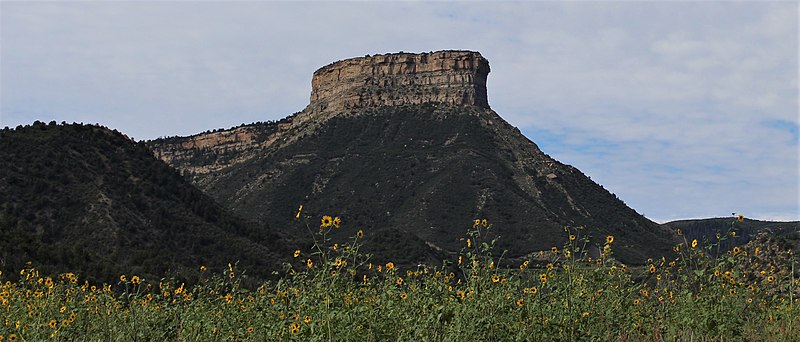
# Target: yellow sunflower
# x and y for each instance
(326, 221)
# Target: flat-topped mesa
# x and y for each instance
(451, 77)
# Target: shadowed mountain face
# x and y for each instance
(427, 171)
(88, 200)
(404, 145)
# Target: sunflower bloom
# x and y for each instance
(520, 302)
(309, 263)
(694, 243)
(299, 210)
(135, 280)
(609, 239)
(53, 324)
(495, 278)
(543, 277)
(337, 222)
(250, 330)
(571, 237)
(469, 243)
(399, 281)
(294, 328)
(326, 221)
(123, 278)
(740, 218)
(296, 253)
(389, 266)
(360, 234)
(403, 296)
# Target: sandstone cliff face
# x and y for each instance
(449, 77)
(340, 89)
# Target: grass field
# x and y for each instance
(333, 292)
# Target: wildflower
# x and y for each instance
(360, 234)
(680, 232)
(524, 265)
(250, 330)
(757, 250)
(694, 243)
(636, 301)
(309, 263)
(584, 314)
(550, 266)
(771, 278)
(477, 223)
(307, 319)
(337, 222)
(740, 218)
(12, 338)
(202, 268)
(135, 280)
(335, 247)
(736, 250)
(299, 210)
(469, 243)
(567, 254)
(554, 249)
(403, 296)
(533, 290)
(571, 237)
(326, 221)
(609, 239)
(122, 278)
(389, 266)
(520, 302)
(53, 323)
(365, 279)
(495, 278)
(459, 260)
(543, 277)
(484, 223)
(652, 268)
(491, 265)
(294, 328)
(48, 282)
(399, 281)
(732, 292)
(338, 262)
(749, 300)
(607, 249)
(228, 298)
(461, 294)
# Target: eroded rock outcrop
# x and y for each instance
(450, 77)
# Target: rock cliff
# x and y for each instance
(449, 77)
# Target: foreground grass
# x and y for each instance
(333, 292)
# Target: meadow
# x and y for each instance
(334, 292)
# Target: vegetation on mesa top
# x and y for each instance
(87, 199)
(334, 291)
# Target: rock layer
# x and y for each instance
(449, 77)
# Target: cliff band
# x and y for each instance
(450, 77)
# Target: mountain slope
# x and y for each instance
(85, 199)
(407, 143)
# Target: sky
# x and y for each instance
(682, 109)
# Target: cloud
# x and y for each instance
(681, 108)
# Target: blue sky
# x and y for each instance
(682, 109)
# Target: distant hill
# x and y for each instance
(746, 230)
(405, 146)
(85, 199)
